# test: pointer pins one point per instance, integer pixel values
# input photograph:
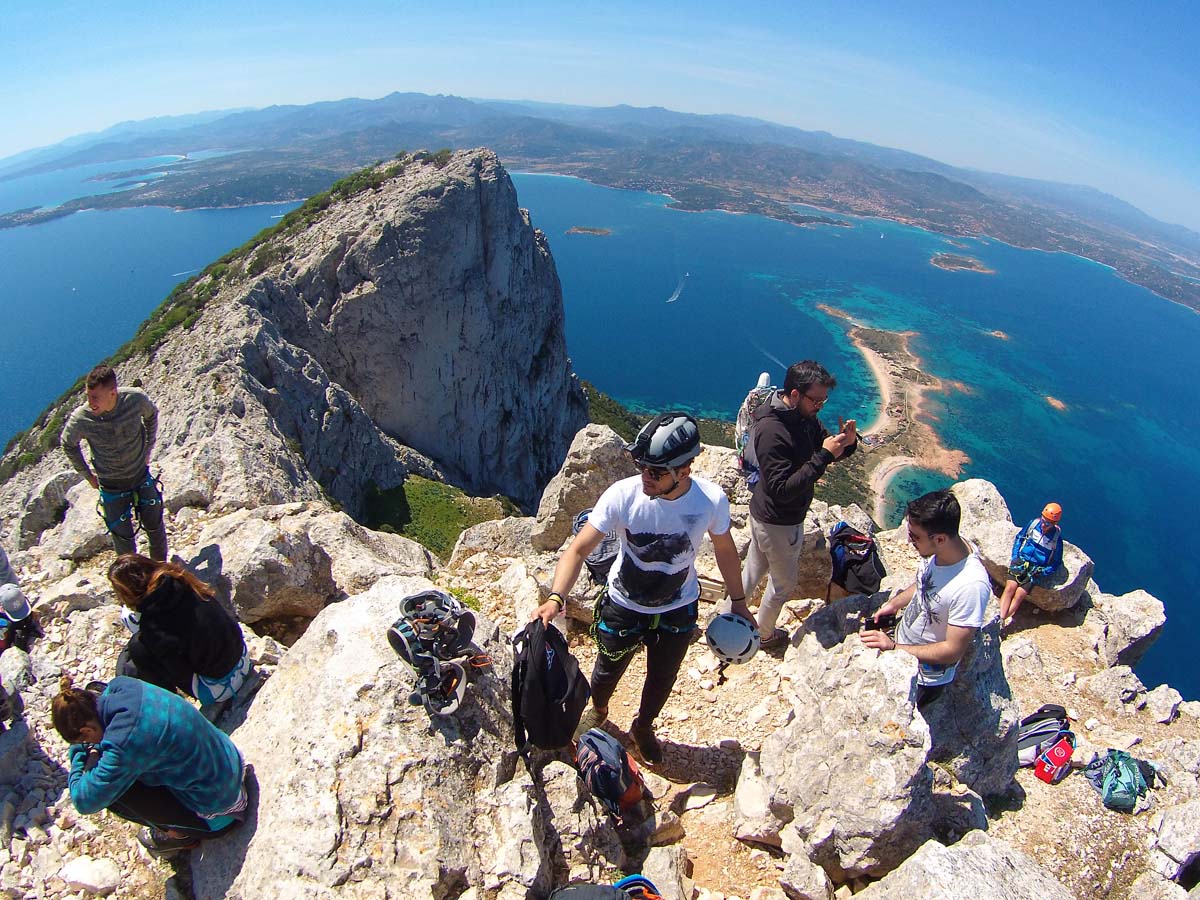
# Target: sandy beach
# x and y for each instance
(898, 431)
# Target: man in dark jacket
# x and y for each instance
(792, 450)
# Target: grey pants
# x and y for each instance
(774, 552)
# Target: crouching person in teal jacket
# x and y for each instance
(149, 756)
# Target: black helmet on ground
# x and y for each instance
(667, 441)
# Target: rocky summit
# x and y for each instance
(414, 327)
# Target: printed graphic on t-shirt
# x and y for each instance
(661, 548)
(637, 578)
(924, 604)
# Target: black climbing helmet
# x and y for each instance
(667, 441)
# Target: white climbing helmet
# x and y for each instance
(732, 639)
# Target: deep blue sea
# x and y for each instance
(1123, 459)
(75, 289)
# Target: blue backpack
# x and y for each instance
(1121, 781)
(610, 774)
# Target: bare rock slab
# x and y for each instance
(596, 459)
(976, 867)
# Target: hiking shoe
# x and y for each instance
(162, 844)
(778, 638)
(647, 744)
(591, 718)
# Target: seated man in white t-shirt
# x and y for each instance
(660, 517)
(944, 606)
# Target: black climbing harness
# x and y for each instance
(108, 497)
(433, 635)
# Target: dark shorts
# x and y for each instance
(1023, 574)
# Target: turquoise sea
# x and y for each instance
(1122, 459)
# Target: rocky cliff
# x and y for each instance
(808, 774)
(413, 326)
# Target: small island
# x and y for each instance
(1056, 403)
(953, 263)
(999, 335)
(579, 229)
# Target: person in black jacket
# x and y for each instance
(792, 450)
(182, 638)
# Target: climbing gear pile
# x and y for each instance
(433, 635)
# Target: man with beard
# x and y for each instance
(660, 517)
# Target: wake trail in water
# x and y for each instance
(775, 359)
(188, 272)
(679, 289)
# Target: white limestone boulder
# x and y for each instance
(1124, 628)
(979, 866)
(596, 459)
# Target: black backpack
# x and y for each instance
(549, 692)
(856, 563)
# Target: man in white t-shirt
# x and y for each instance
(944, 607)
(660, 517)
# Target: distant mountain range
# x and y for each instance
(704, 162)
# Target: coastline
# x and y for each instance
(898, 431)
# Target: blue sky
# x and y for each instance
(1103, 94)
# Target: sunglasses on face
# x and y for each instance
(653, 471)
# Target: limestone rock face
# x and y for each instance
(874, 801)
(440, 311)
(596, 459)
(416, 328)
(269, 567)
(987, 523)
(81, 534)
(1125, 627)
(978, 866)
(845, 781)
(1118, 688)
(719, 465)
(292, 559)
(511, 537)
(362, 795)
(44, 506)
(1178, 839)
(974, 723)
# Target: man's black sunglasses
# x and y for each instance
(653, 471)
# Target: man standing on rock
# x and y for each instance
(945, 605)
(791, 449)
(660, 517)
(120, 426)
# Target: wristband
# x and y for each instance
(557, 598)
(738, 600)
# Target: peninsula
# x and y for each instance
(952, 263)
(898, 437)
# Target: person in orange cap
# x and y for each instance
(1036, 556)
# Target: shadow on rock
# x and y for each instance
(231, 846)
